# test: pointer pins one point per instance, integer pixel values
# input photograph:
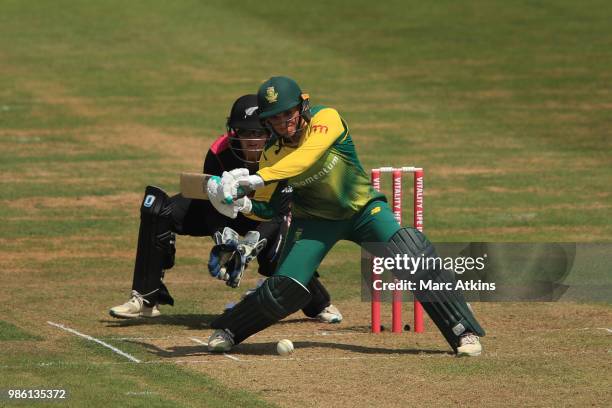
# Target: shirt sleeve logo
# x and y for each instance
(319, 128)
(271, 95)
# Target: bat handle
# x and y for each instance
(241, 192)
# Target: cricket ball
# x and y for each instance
(284, 347)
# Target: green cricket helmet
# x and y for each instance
(279, 94)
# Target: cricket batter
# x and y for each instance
(312, 149)
(162, 217)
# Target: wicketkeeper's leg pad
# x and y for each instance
(447, 308)
(156, 246)
(275, 299)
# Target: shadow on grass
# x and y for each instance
(296, 320)
(357, 329)
(269, 349)
(173, 351)
(189, 321)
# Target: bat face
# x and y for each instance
(193, 185)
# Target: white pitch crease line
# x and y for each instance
(274, 358)
(100, 342)
(144, 338)
(604, 328)
(195, 339)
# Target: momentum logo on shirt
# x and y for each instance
(320, 175)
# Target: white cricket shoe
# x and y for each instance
(330, 314)
(469, 345)
(220, 341)
(135, 307)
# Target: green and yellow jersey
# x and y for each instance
(272, 200)
(324, 171)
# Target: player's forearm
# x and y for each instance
(263, 209)
(268, 206)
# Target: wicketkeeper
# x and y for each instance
(162, 217)
(312, 149)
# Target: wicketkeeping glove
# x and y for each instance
(230, 256)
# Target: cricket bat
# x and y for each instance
(193, 185)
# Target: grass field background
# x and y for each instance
(508, 107)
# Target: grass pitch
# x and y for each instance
(506, 106)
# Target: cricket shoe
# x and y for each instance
(330, 314)
(135, 307)
(469, 345)
(220, 341)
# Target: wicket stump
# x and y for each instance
(418, 211)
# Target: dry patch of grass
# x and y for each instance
(107, 202)
(188, 149)
(360, 369)
(53, 93)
